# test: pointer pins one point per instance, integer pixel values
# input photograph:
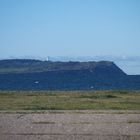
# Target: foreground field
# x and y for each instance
(70, 100)
(70, 115)
(70, 125)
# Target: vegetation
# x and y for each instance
(69, 100)
(32, 66)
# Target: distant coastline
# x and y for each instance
(27, 74)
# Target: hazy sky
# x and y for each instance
(69, 27)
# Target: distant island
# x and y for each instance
(29, 74)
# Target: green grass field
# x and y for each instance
(70, 100)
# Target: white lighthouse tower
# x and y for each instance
(47, 58)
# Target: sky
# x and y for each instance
(41, 28)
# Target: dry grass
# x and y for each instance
(70, 100)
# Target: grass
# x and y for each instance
(69, 100)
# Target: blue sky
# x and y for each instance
(41, 28)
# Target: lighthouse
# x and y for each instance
(47, 58)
